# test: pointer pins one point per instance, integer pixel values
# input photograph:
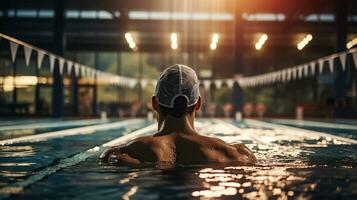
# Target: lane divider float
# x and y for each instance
(71, 132)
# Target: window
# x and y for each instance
(46, 13)
(319, 18)
(263, 17)
(158, 15)
(72, 14)
(91, 14)
(26, 13)
(11, 13)
(102, 14)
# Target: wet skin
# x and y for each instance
(177, 142)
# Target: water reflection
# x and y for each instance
(130, 193)
(260, 182)
(13, 174)
(13, 164)
(133, 189)
(16, 133)
(131, 176)
(16, 151)
(291, 166)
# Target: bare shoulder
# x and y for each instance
(205, 141)
(234, 152)
(130, 153)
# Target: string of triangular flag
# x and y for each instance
(68, 65)
(293, 73)
(301, 71)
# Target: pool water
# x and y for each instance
(295, 163)
(343, 128)
(9, 129)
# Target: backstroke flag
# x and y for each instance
(343, 60)
(40, 56)
(27, 52)
(13, 48)
(52, 62)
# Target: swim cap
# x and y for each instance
(175, 81)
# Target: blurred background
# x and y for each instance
(223, 40)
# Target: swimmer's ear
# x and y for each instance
(154, 103)
(198, 104)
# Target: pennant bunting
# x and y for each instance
(83, 71)
(330, 64)
(132, 83)
(87, 71)
(40, 56)
(27, 52)
(206, 84)
(274, 77)
(283, 76)
(300, 69)
(144, 83)
(52, 62)
(321, 65)
(342, 57)
(288, 76)
(76, 69)
(218, 83)
(294, 72)
(69, 67)
(92, 75)
(306, 70)
(230, 83)
(13, 48)
(61, 65)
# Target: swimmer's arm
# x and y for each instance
(118, 156)
(242, 149)
(136, 152)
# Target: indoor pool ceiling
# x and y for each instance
(102, 24)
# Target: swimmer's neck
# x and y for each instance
(182, 125)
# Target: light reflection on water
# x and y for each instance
(16, 151)
(13, 164)
(130, 193)
(13, 174)
(131, 176)
(291, 165)
(16, 133)
(260, 184)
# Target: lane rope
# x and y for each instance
(301, 131)
(315, 124)
(53, 124)
(71, 132)
(21, 121)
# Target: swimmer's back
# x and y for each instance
(178, 148)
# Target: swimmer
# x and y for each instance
(176, 100)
